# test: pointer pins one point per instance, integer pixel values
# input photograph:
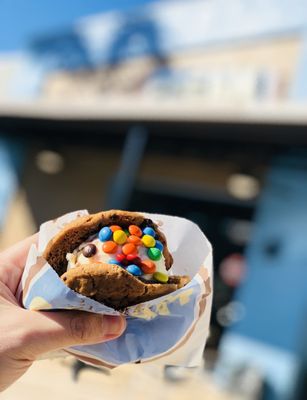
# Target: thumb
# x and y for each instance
(47, 331)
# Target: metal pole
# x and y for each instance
(122, 188)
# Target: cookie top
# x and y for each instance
(79, 230)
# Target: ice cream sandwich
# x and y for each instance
(118, 258)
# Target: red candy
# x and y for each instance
(134, 259)
(135, 230)
(115, 228)
(129, 248)
(148, 267)
(109, 247)
(135, 240)
(120, 257)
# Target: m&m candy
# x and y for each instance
(113, 261)
(109, 247)
(154, 253)
(148, 241)
(119, 237)
(160, 277)
(89, 250)
(132, 256)
(120, 257)
(135, 230)
(149, 231)
(134, 270)
(148, 267)
(115, 228)
(105, 234)
(135, 240)
(159, 245)
(129, 248)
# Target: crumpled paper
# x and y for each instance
(169, 330)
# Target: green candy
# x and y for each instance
(127, 232)
(154, 253)
(160, 277)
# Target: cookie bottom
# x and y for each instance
(115, 287)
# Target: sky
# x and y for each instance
(21, 20)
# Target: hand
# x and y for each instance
(24, 334)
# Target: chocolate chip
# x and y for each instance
(89, 250)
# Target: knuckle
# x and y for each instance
(80, 328)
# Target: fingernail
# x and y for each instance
(113, 326)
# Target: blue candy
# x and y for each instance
(134, 270)
(159, 245)
(149, 231)
(113, 261)
(105, 234)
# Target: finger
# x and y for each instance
(47, 331)
(17, 254)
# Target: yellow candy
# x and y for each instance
(119, 237)
(148, 241)
(160, 277)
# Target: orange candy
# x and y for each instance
(135, 230)
(129, 248)
(109, 247)
(115, 228)
(148, 267)
(135, 240)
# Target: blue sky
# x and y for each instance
(21, 20)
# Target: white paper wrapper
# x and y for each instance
(170, 330)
